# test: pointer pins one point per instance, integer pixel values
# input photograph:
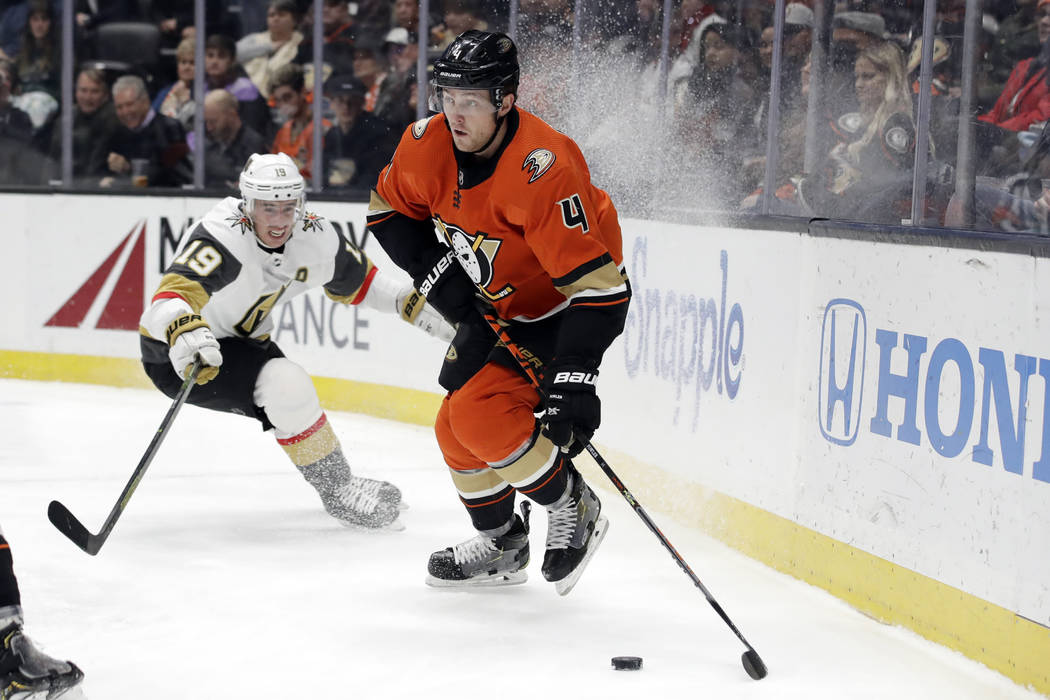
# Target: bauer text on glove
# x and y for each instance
(573, 408)
(447, 287)
(189, 336)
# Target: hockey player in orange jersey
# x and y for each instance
(488, 207)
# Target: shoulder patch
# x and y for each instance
(537, 163)
(898, 139)
(851, 122)
(420, 127)
(311, 221)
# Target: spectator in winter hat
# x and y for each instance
(863, 28)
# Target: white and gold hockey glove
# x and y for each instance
(414, 308)
(189, 336)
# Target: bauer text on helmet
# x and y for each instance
(478, 60)
(475, 85)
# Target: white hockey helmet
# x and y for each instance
(272, 177)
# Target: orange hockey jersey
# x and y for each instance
(528, 226)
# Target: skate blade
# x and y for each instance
(67, 693)
(508, 579)
(565, 586)
(394, 526)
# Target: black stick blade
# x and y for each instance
(754, 665)
(68, 525)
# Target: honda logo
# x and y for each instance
(843, 344)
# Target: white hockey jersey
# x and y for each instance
(221, 272)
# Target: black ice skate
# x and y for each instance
(363, 502)
(483, 560)
(26, 673)
(575, 528)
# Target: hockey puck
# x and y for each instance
(627, 663)
(753, 664)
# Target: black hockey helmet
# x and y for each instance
(477, 60)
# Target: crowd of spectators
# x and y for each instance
(865, 134)
(134, 119)
(134, 106)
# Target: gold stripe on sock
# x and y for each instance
(315, 443)
(529, 469)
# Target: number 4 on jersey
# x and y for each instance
(572, 213)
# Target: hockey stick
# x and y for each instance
(752, 662)
(72, 528)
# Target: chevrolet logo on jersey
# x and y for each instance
(538, 162)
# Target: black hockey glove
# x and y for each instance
(573, 408)
(447, 287)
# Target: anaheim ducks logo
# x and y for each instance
(538, 162)
(240, 221)
(420, 128)
(312, 222)
(851, 122)
(898, 139)
(476, 255)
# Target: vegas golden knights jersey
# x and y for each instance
(222, 272)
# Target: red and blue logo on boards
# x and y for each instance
(120, 280)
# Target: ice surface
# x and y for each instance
(225, 579)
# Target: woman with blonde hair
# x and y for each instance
(879, 138)
(866, 176)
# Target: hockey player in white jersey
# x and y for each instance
(215, 301)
